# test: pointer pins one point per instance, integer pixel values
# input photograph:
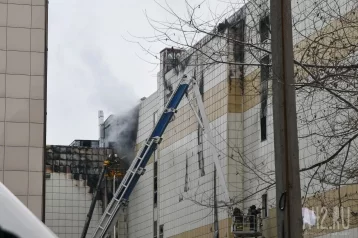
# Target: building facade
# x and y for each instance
(23, 50)
(72, 173)
(176, 195)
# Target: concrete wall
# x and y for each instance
(22, 99)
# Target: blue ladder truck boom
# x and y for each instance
(137, 168)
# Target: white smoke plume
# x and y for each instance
(120, 132)
(115, 96)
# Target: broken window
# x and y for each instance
(155, 229)
(264, 28)
(265, 73)
(239, 53)
(161, 231)
(264, 206)
(86, 143)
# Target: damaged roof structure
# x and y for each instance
(72, 174)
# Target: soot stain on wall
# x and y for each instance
(80, 162)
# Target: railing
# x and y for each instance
(245, 225)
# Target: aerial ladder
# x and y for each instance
(112, 167)
(137, 168)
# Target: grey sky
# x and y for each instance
(92, 67)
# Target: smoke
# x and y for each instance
(121, 133)
(111, 93)
(115, 96)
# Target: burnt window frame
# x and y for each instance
(264, 28)
(161, 231)
(155, 229)
(239, 47)
(264, 77)
(264, 205)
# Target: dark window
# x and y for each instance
(155, 169)
(161, 231)
(201, 163)
(201, 84)
(263, 125)
(155, 185)
(265, 73)
(264, 28)
(155, 199)
(264, 206)
(86, 143)
(155, 229)
(239, 49)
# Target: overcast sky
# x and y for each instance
(92, 67)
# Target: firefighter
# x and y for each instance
(238, 218)
(252, 217)
(253, 212)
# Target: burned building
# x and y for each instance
(177, 194)
(72, 173)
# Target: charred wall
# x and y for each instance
(71, 175)
(80, 163)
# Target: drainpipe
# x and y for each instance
(216, 222)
